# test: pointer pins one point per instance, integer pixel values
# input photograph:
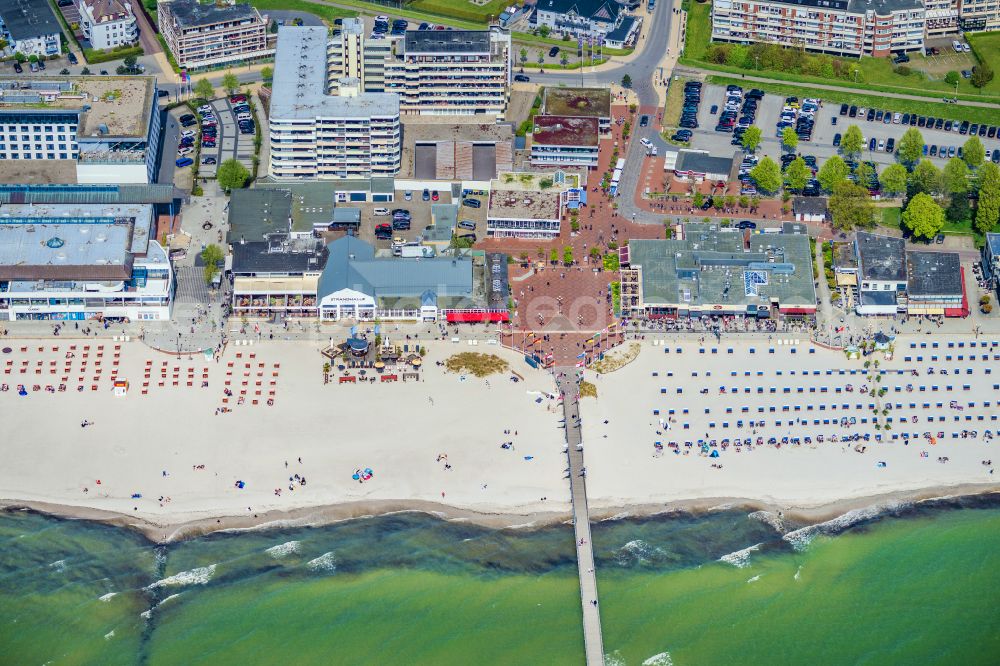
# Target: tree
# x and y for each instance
(751, 138)
(232, 175)
(851, 206)
(543, 30)
(767, 175)
(564, 60)
(894, 179)
(982, 74)
(524, 56)
(958, 210)
(211, 255)
(568, 255)
(832, 173)
(789, 139)
(973, 152)
(925, 178)
(64, 72)
(541, 58)
(130, 61)
(204, 89)
(85, 71)
(274, 27)
(853, 141)
(797, 174)
(626, 81)
(267, 73)
(951, 78)
(956, 176)
(865, 173)
(911, 146)
(554, 256)
(230, 82)
(923, 216)
(988, 207)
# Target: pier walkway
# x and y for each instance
(593, 641)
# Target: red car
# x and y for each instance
(238, 99)
(434, 195)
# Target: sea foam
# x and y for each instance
(635, 552)
(107, 597)
(283, 550)
(801, 538)
(769, 518)
(662, 659)
(325, 562)
(198, 576)
(58, 565)
(740, 558)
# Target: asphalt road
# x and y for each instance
(641, 69)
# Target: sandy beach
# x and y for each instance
(437, 440)
(621, 429)
(171, 446)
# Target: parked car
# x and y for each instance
(426, 195)
(467, 224)
(521, 78)
(554, 51)
(380, 211)
(836, 140)
(209, 160)
(184, 162)
(472, 203)
(746, 224)
(17, 67)
(184, 150)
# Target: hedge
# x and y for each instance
(95, 56)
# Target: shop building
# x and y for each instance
(76, 262)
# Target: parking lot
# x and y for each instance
(230, 142)
(821, 145)
(420, 216)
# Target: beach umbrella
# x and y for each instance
(714, 454)
(356, 476)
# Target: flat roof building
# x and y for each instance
(991, 259)
(82, 261)
(881, 274)
(257, 213)
(713, 272)
(315, 135)
(29, 27)
(531, 205)
(935, 284)
(700, 165)
(208, 34)
(277, 276)
(579, 102)
(565, 141)
(437, 150)
(106, 127)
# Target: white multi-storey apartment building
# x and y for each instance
(108, 23)
(203, 35)
(435, 72)
(839, 27)
(320, 136)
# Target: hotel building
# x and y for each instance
(108, 23)
(106, 129)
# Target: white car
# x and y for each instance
(382, 18)
(205, 108)
(896, 117)
(187, 133)
(184, 151)
(381, 211)
(244, 116)
(957, 45)
(646, 142)
(966, 48)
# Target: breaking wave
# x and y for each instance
(325, 562)
(801, 538)
(198, 576)
(284, 549)
(740, 558)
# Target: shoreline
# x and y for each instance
(161, 533)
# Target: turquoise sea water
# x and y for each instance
(920, 587)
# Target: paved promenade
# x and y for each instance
(593, 641)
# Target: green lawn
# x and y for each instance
(371, 8)
(461, 9)
(699, 30)
(877, 74)
(891, 217)
(935, 109)
(325, 12)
